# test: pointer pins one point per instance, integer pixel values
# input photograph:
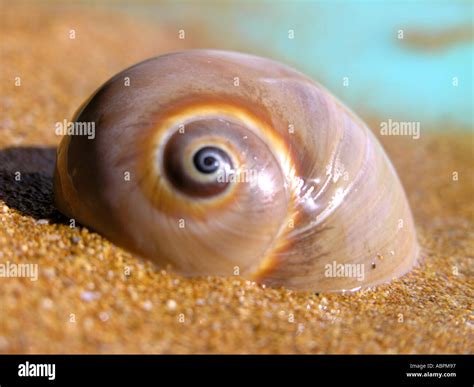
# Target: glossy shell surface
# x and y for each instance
(222, 163)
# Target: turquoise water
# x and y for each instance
(387, 77)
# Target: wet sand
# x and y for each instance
(93, 297)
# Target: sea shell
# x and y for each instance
(221, 163)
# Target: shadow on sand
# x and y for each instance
(26, 181)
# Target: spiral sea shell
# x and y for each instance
(221, 163)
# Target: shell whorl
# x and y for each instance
(317, 187)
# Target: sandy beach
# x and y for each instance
(93, 297)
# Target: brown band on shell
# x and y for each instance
(182, 148)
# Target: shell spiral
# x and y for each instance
(221, 163)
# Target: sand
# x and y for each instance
(93, 297)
